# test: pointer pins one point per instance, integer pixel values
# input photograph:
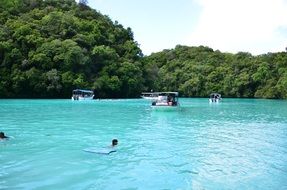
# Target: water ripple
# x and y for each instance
(238, 144)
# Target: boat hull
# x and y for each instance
(82, 98)
(214, 100)
(165, 108)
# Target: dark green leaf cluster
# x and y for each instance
(199, 71)
(50, 47)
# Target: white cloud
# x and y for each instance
(256, 26)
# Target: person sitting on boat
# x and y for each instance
(2, 136)
(169, 100)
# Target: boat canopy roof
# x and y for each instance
(161, 93)
(149, 93)
(215, 94)
(84, 91)
(168, 93)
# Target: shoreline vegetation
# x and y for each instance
(48, 48)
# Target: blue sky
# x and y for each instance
(255, 26)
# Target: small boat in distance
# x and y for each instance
(166, 100)
(214, 98)
(149, 95)
(80, 94)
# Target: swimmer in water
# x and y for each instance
(2, 136)
(114, 142)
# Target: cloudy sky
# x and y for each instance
(255, 26)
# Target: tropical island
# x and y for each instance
(48, 48)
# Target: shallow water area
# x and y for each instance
(235, 144)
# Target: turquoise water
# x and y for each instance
(237, 144)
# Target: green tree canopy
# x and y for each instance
(48, 48)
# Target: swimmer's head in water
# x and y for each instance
(2, 135)
(115, 142)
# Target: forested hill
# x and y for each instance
(48, 48)
(199, 71)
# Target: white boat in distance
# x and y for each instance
(150, 95)
(166, 100)
(214, 98)
(80, 94)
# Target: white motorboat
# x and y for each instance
(215, 98)
(166, 100)
(80, 94)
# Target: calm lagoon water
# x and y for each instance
(236, 144)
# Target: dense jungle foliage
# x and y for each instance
(48, 48)
(199, 71)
